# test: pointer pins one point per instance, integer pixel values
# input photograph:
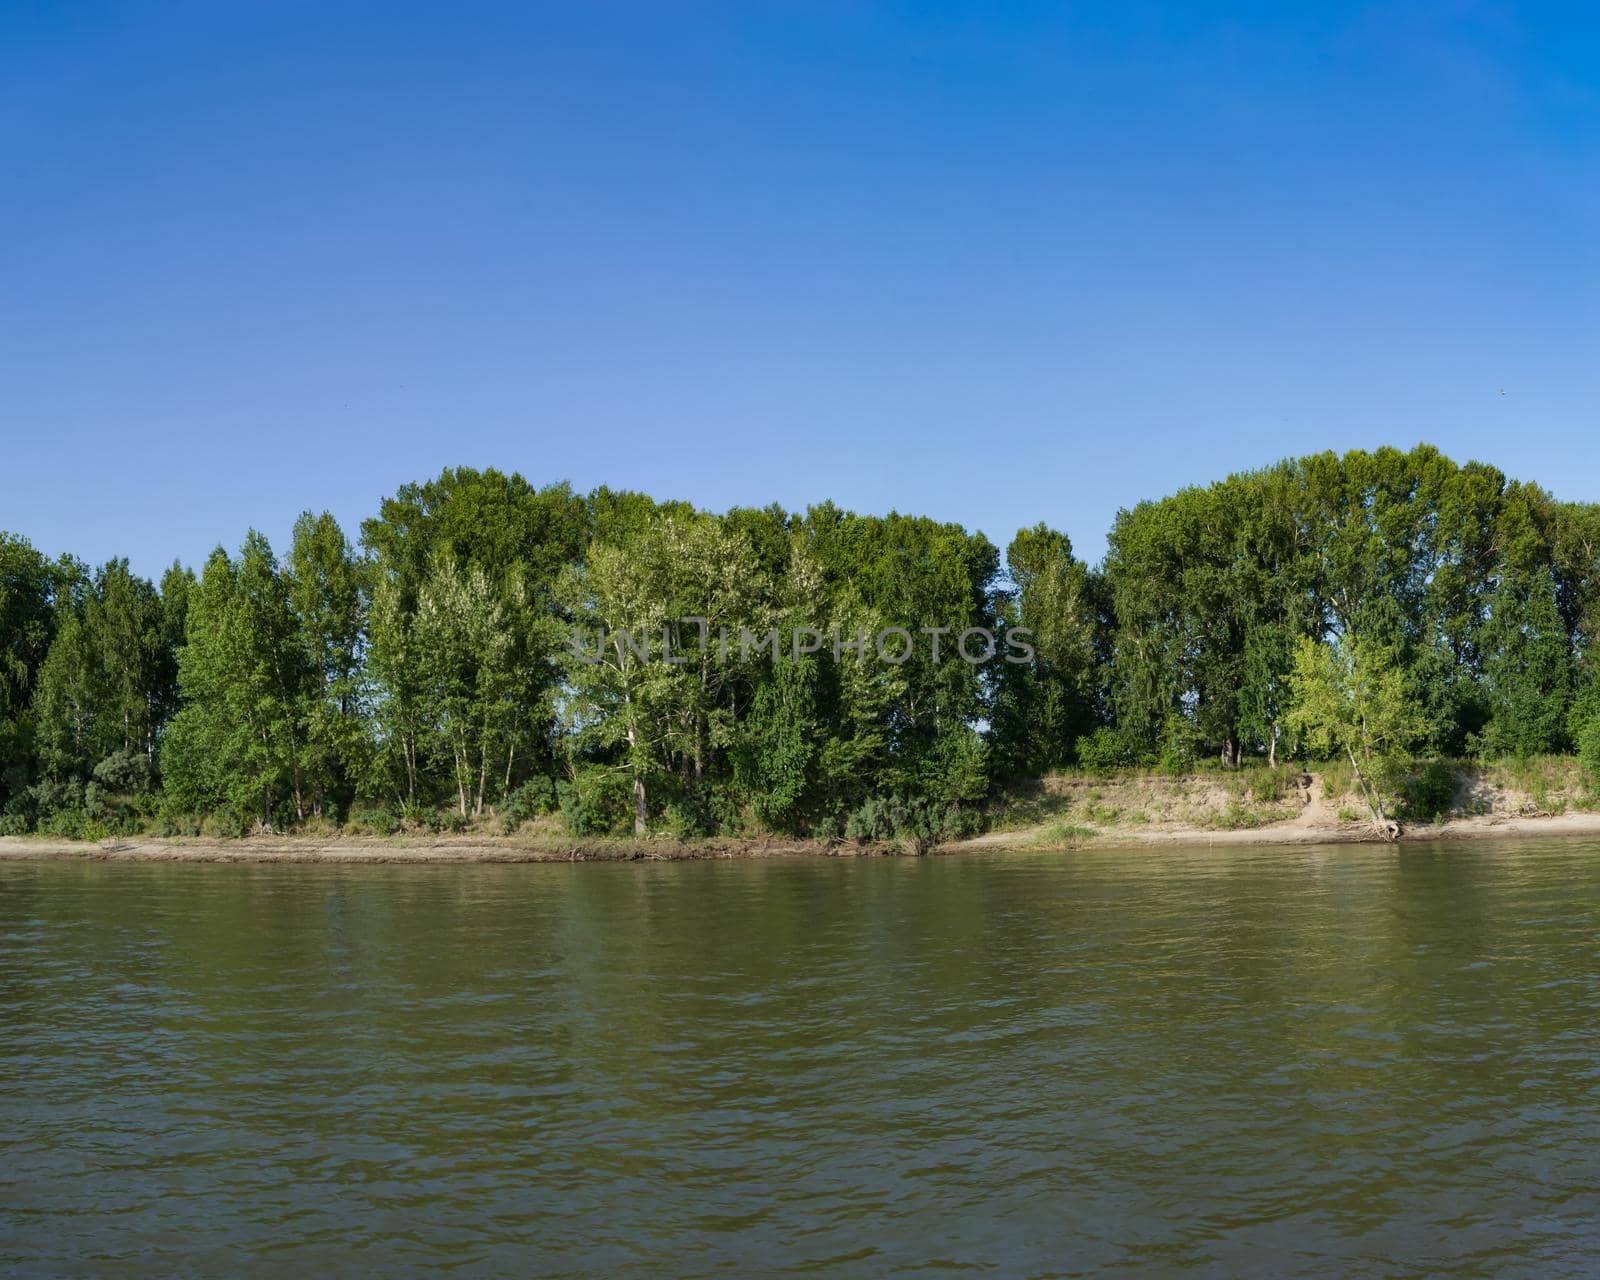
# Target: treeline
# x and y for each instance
(427, 672)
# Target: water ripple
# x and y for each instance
(1210, 1063)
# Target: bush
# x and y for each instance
(127, 772)
(597, 801)
(23, 805)
(14, 824)
(1429, 794)
(51, 797)
(685, 819)
(1589, 751)
(1180, 748)
(531, 798)
(1102, 751)
(377, 821)
(65, 824)
(174, 822)
(1268, 786)
(230, 824)
(914, 820)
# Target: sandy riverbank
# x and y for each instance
(358, 849)
(1490, 827)
(1145, 811)
(402, 849)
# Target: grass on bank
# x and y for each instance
(1211, 798)
(1064, 808)
(1214, 798)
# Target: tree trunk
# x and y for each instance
(640, 810)
(1389, 829)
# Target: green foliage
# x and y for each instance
(1354, 700)
(28, 588)
(595, 801)
(1179, 746)
(1055, 609)
(430, 668)
(1267, 785)
(1102, 751)
(1428, 794)
(532, 798)
(918, 821)
(374, 820)
(1589, 752)
(1528, 675)
(129, 772)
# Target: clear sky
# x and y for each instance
(992, 263)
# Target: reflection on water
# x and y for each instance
(1257, 1061)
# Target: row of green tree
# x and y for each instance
(428, 671)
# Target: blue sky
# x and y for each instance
(997, 264)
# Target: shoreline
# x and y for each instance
(388, 850)
(1294, 832)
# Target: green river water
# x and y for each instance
(1275, 1062)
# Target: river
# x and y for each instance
(1259, 1061)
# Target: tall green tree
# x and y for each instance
(28, 584)
(328, 588)
(1043, 706)
(1351, 698)
(105, 688)
(238, 742)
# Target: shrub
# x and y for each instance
(127, 772)
(1180, 748)
(173, 822)
(23, 805)
(685, 819)
(14, 824)
(230, 824)
(65, 824)
(597, 801)
(377, 821)
(1429, 794)
(1268, 785)
(533, 797)
(1589, 751)
(1102, 751)
(1235, 818)
(51, 797)
(915, 821)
